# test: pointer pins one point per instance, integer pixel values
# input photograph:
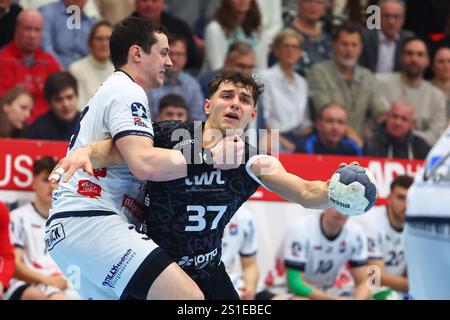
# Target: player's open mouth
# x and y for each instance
(231, 115)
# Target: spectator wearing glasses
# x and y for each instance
(92, 70)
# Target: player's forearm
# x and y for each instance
(317, 294)
(314, 195)
(398, 283)
(250, 275)
(104, 154)
(28, 275)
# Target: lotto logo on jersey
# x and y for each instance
(89, 189)
(138, 110)
(199, 261)
(54, 235)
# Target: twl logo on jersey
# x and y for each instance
(206, 179)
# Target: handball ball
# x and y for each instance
(352, 190)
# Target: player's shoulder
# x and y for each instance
(354, 228)
(120, 85)
(22, 211)
(304, 226)
(244, 215)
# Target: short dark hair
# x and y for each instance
(172, 100)
(411, 39)
(57, 82)
(331, 104)
(173, 37)
(236, 77)
(44, 164)
(129, 32)
(402, 181)
(347, 27)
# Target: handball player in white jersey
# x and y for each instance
(93, 221)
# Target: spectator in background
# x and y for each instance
(23, 63)
(381, 47)
(89, 8)
(37, 275)
(172, 107)
(317, 247)
(441, 70)
(342, 80)
(114, 11)
(8, 17)
(239, 241)
(329, 134)
(61, 92)
(15, 109)
(395, 138)
(154, 10)
(234, 20)
(66, 42)
(6, 251)
(285, 98)
(92, 70)
(409, 85)
(240, 56)
(384, 229)
(180, 82)
(316, 42)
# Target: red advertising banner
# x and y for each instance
(17, 156)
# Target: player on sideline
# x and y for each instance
(187, 216)
(91, 222)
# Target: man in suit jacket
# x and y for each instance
(382, 46)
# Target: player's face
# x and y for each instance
(336, 219)
(173, 113)
(397, 202)
(43, 188)
(231, 107)
(155, 63)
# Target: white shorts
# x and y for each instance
(427, 247)
(103, 256)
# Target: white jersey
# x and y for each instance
(119, 108)
(429, 195)
(307, 249)
(383, 240)
(239, 238)
(27, 230)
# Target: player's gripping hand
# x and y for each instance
(78, 158)
(228, 153)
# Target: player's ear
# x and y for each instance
(254, 113)
(134, 54)
(207, 106)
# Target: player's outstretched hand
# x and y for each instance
(77, 159)
(228, 153)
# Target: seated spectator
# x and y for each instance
(384, 229)
(114, 11)
(233, 21)
(240, 56)
(6, 251)
(154, 10)
(329, 135)
(317, 43)
(441, 70)
(37, 275)
(239, 241)
(343, 80)
(92, 70)
(381, 47)
(409, 85)
(395, 138)
(172, 107)
(285, 98)
(24, 64)
(317, 247)
(15, 109)
(8, 17)
(61, 92)
(179, 82)
(67, 43)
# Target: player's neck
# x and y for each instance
(329, 231)
(397, 224)
(134, 75)
(210, 138)
(41, 207)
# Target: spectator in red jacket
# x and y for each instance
(23, 63)
(6, 251)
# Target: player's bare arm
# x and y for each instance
(359, 275)
(395, 282)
